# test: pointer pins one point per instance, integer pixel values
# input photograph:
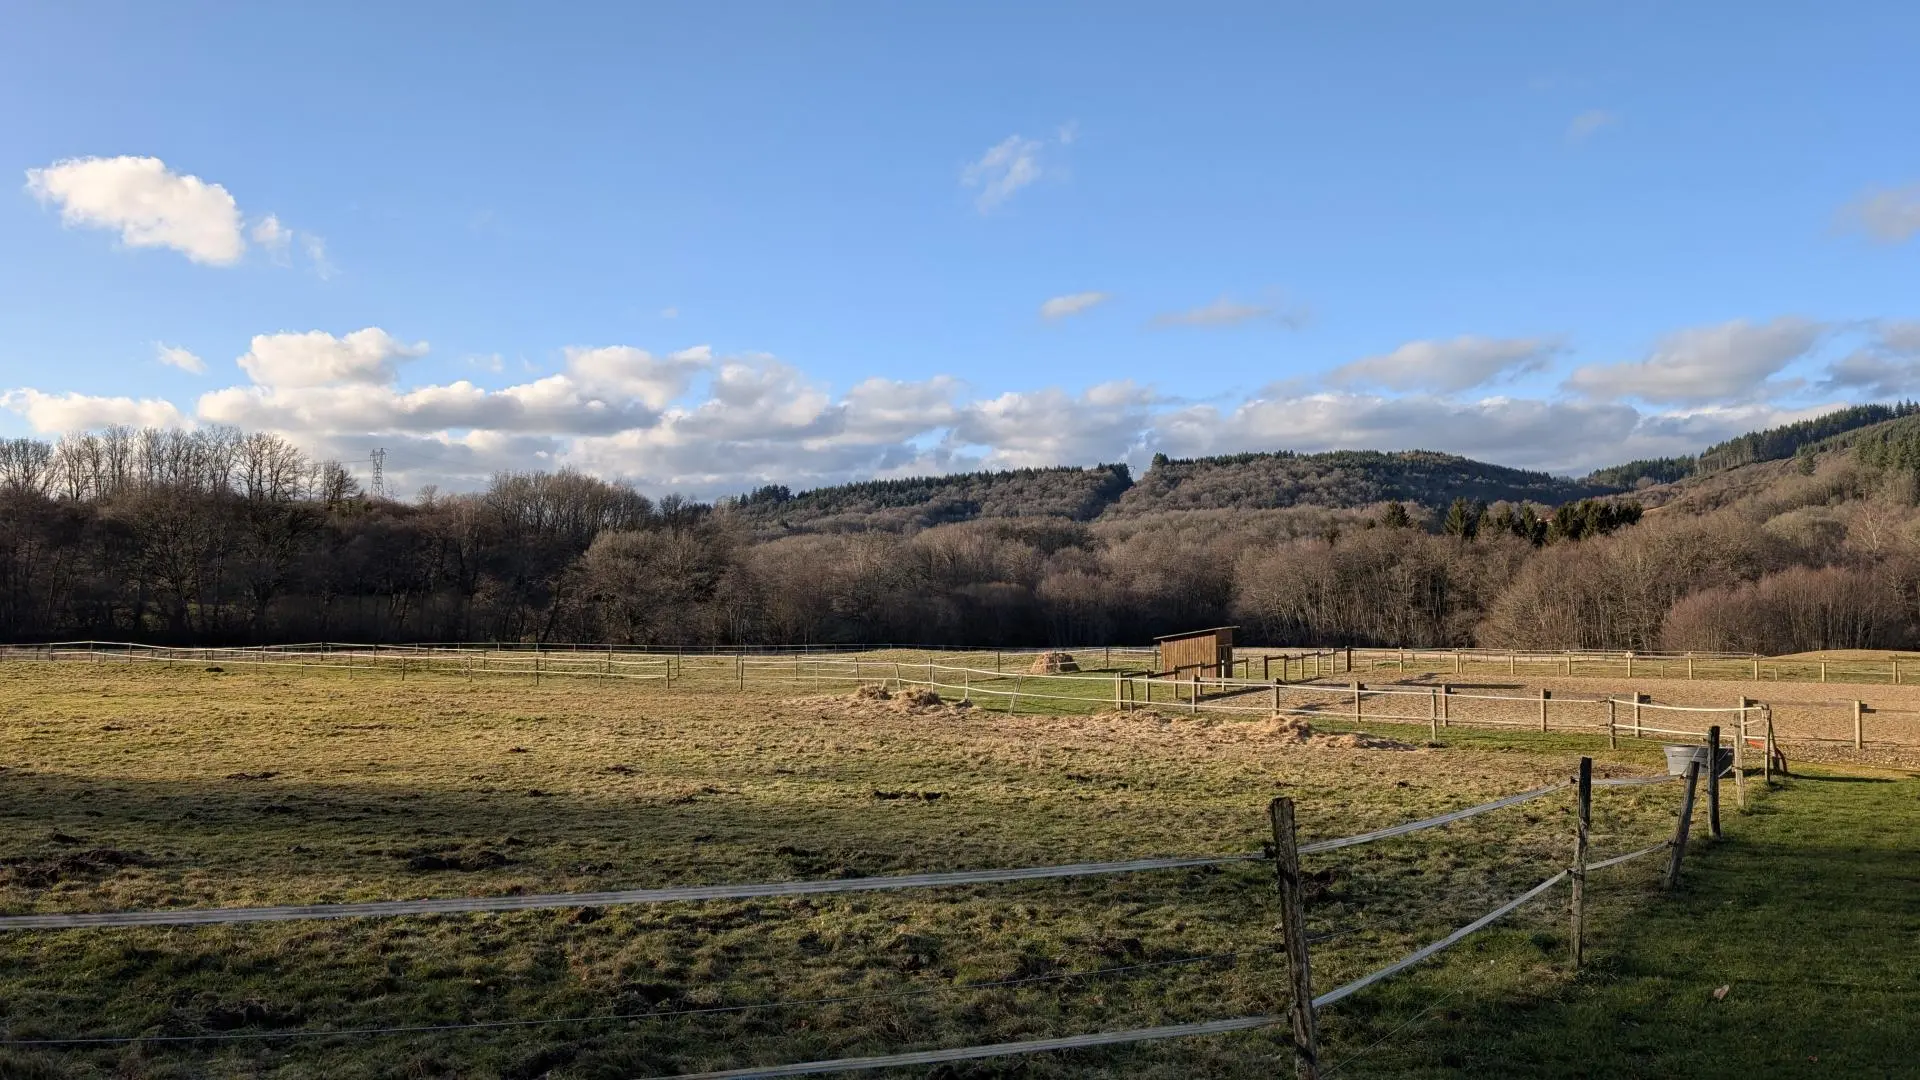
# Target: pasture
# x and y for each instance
(157, 786)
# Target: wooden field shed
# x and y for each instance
(1209, 653)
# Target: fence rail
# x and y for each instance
(1122, 680)
(1284, 854)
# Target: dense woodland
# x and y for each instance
(215, 536)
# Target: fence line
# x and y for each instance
(1285, 856)
(969, 1053)
(1139, 1035)
(548, 901)
(480, 904)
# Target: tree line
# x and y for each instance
(217, 536)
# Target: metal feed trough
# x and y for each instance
(1679, 757)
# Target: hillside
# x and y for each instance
(1887, 444)
(1340, 478)
(1771, 444)
(1075, 494)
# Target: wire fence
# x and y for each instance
(1283, 854)
(1041, 681)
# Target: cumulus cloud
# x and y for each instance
(1733, 361)
(1590, 123)
(1887, 365)
(709, 424)
(317, 358)
(1053, 427)
(1889, 215)
(1449, 366)
(175, 356)
(73, 412)
(1227, 311)
(1061, 307)
(150, 205)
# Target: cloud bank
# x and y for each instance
(709, 424)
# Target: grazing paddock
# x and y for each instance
(140, 786)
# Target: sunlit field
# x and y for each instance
(140, 786)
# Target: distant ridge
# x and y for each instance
(1340, 479)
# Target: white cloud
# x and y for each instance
(1227, 311)
(54, 413)
(1889, 215)
(317, 358)
(175, 356)
(1060, 307)
(1004, 169)
(1449, 366)
(316, 249)
(696, 421)
(1053, 427)
(1731, 362)
(1888, 365)
(637, 373)
(149, 204)
(1591, 123)
(275, 237)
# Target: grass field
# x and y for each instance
(153, 787)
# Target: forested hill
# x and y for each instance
(1073, 493)
(1339, 479)
(1343, 479)
(1772, 444)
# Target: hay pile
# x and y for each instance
(917, 701)
(1284, 730)
(1053, 663)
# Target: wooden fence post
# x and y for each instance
(1713, 781)
(1193, 693)
(1456, 661)
(1433, 714)
(1682, 826)
(1583, 787)
(1766, 750)
(1446, 692)
(1773, 744)
(1544, 695)
(1636, 714)
(1276, 697)
(1689, 667)
(1896, 671)
(1823, 671)
(1356, 701)
(1740, 758)
(1293, 931)
(1509, 661)
(1858, 708)
(1613, 731)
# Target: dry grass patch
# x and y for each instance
(146, 787)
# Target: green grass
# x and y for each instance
(583, 784)
(1805, 912)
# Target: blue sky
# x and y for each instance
(708, 246)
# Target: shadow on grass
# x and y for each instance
(1788, 951)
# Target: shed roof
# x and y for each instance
(1194, 633)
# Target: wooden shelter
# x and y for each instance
(1207, 653)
